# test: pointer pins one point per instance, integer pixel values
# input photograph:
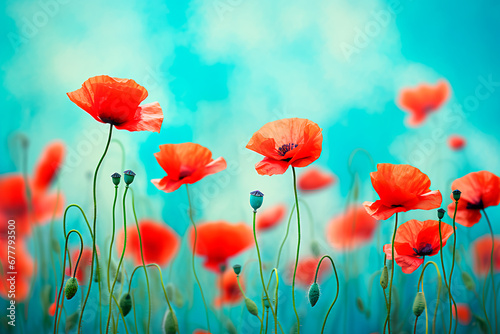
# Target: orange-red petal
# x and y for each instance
(48, 165)
(314, 179)
(351, 229)
(270, 217)
(456, 142)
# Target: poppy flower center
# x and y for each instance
(426, 250)
(184, 172)
(284, 149)
(477, 206)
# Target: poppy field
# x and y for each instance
(196, 170)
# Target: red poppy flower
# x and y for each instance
(52, 309)
(401, 188)
(231, 293)
(44, 205)
(416, 239)
(185, 163)
(82, 272)
(306, 269)
(200, 331)
(116, 101)
(220, 240)
(479, 190)
(22, 272)
(456, 142)
(159, 243)
(351, 229)
(287, 142)
(464, 314)
(482, 255)
(422, 100)
(270, 217)
(314, 179)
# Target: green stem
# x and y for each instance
(142, 258)
(388, 318)
(192, 259)
(112, 236)
(450, 297)
(492, 268)
(298, 248)
(121, 257)
(64, 268)
(338, 286)
(262, 275)
(453, 263)
(94, 237)
(421, 283)
(286, 236)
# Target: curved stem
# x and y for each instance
(121, 257)
(161, 280)
(286, 236)
(94, 237)
(421, 283)
(64, 268)
(112, 236)
(453, 265)
(262, 275)
(142, 258)
(298, 248)
(194, 251)
(450, 297)
(492, 268)
(338, 286)
(388, 318)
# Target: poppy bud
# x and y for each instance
(237, 269)
(314, 294)
(482, 323)
(384, 278)
(266, 302)
(419, 304)
(441, 213)
(315, 248)
(456, 194)
(55, 246)
(175, 295)
(256, 199)
(222, 267)
(115, 177)
(170, 325)
(251, 307)
(360, 305)
(231, 329)
(468, 281)
(129, 176)
(126, 304)
(71, 288)
(97, 274)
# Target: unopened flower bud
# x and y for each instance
(419, 304)
(237, 269)
(251, 307)
(315, 248)
(126, 304)
(456, 194)
(128, 176)
(170, 325)
(468, 281)
(71, 288)
(314, 294)
(266, 302)
(360, 305)
(441, 213)
(256, 199)
(384, 278)
(116, 177)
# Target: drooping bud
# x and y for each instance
(468, 281)
(441, 213)
(170, 325)
(251, 307)
(384, 278)
(482, 323)
(256, 199)
(456, 194)
(175, 295)
(265, 300)
(126, 303)
(315, 248)
(71, 288)
(419, 304)
(116, 177)
(237, 269)
(231, 329)
(360, 305)
(314, 294)
(128, 176)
